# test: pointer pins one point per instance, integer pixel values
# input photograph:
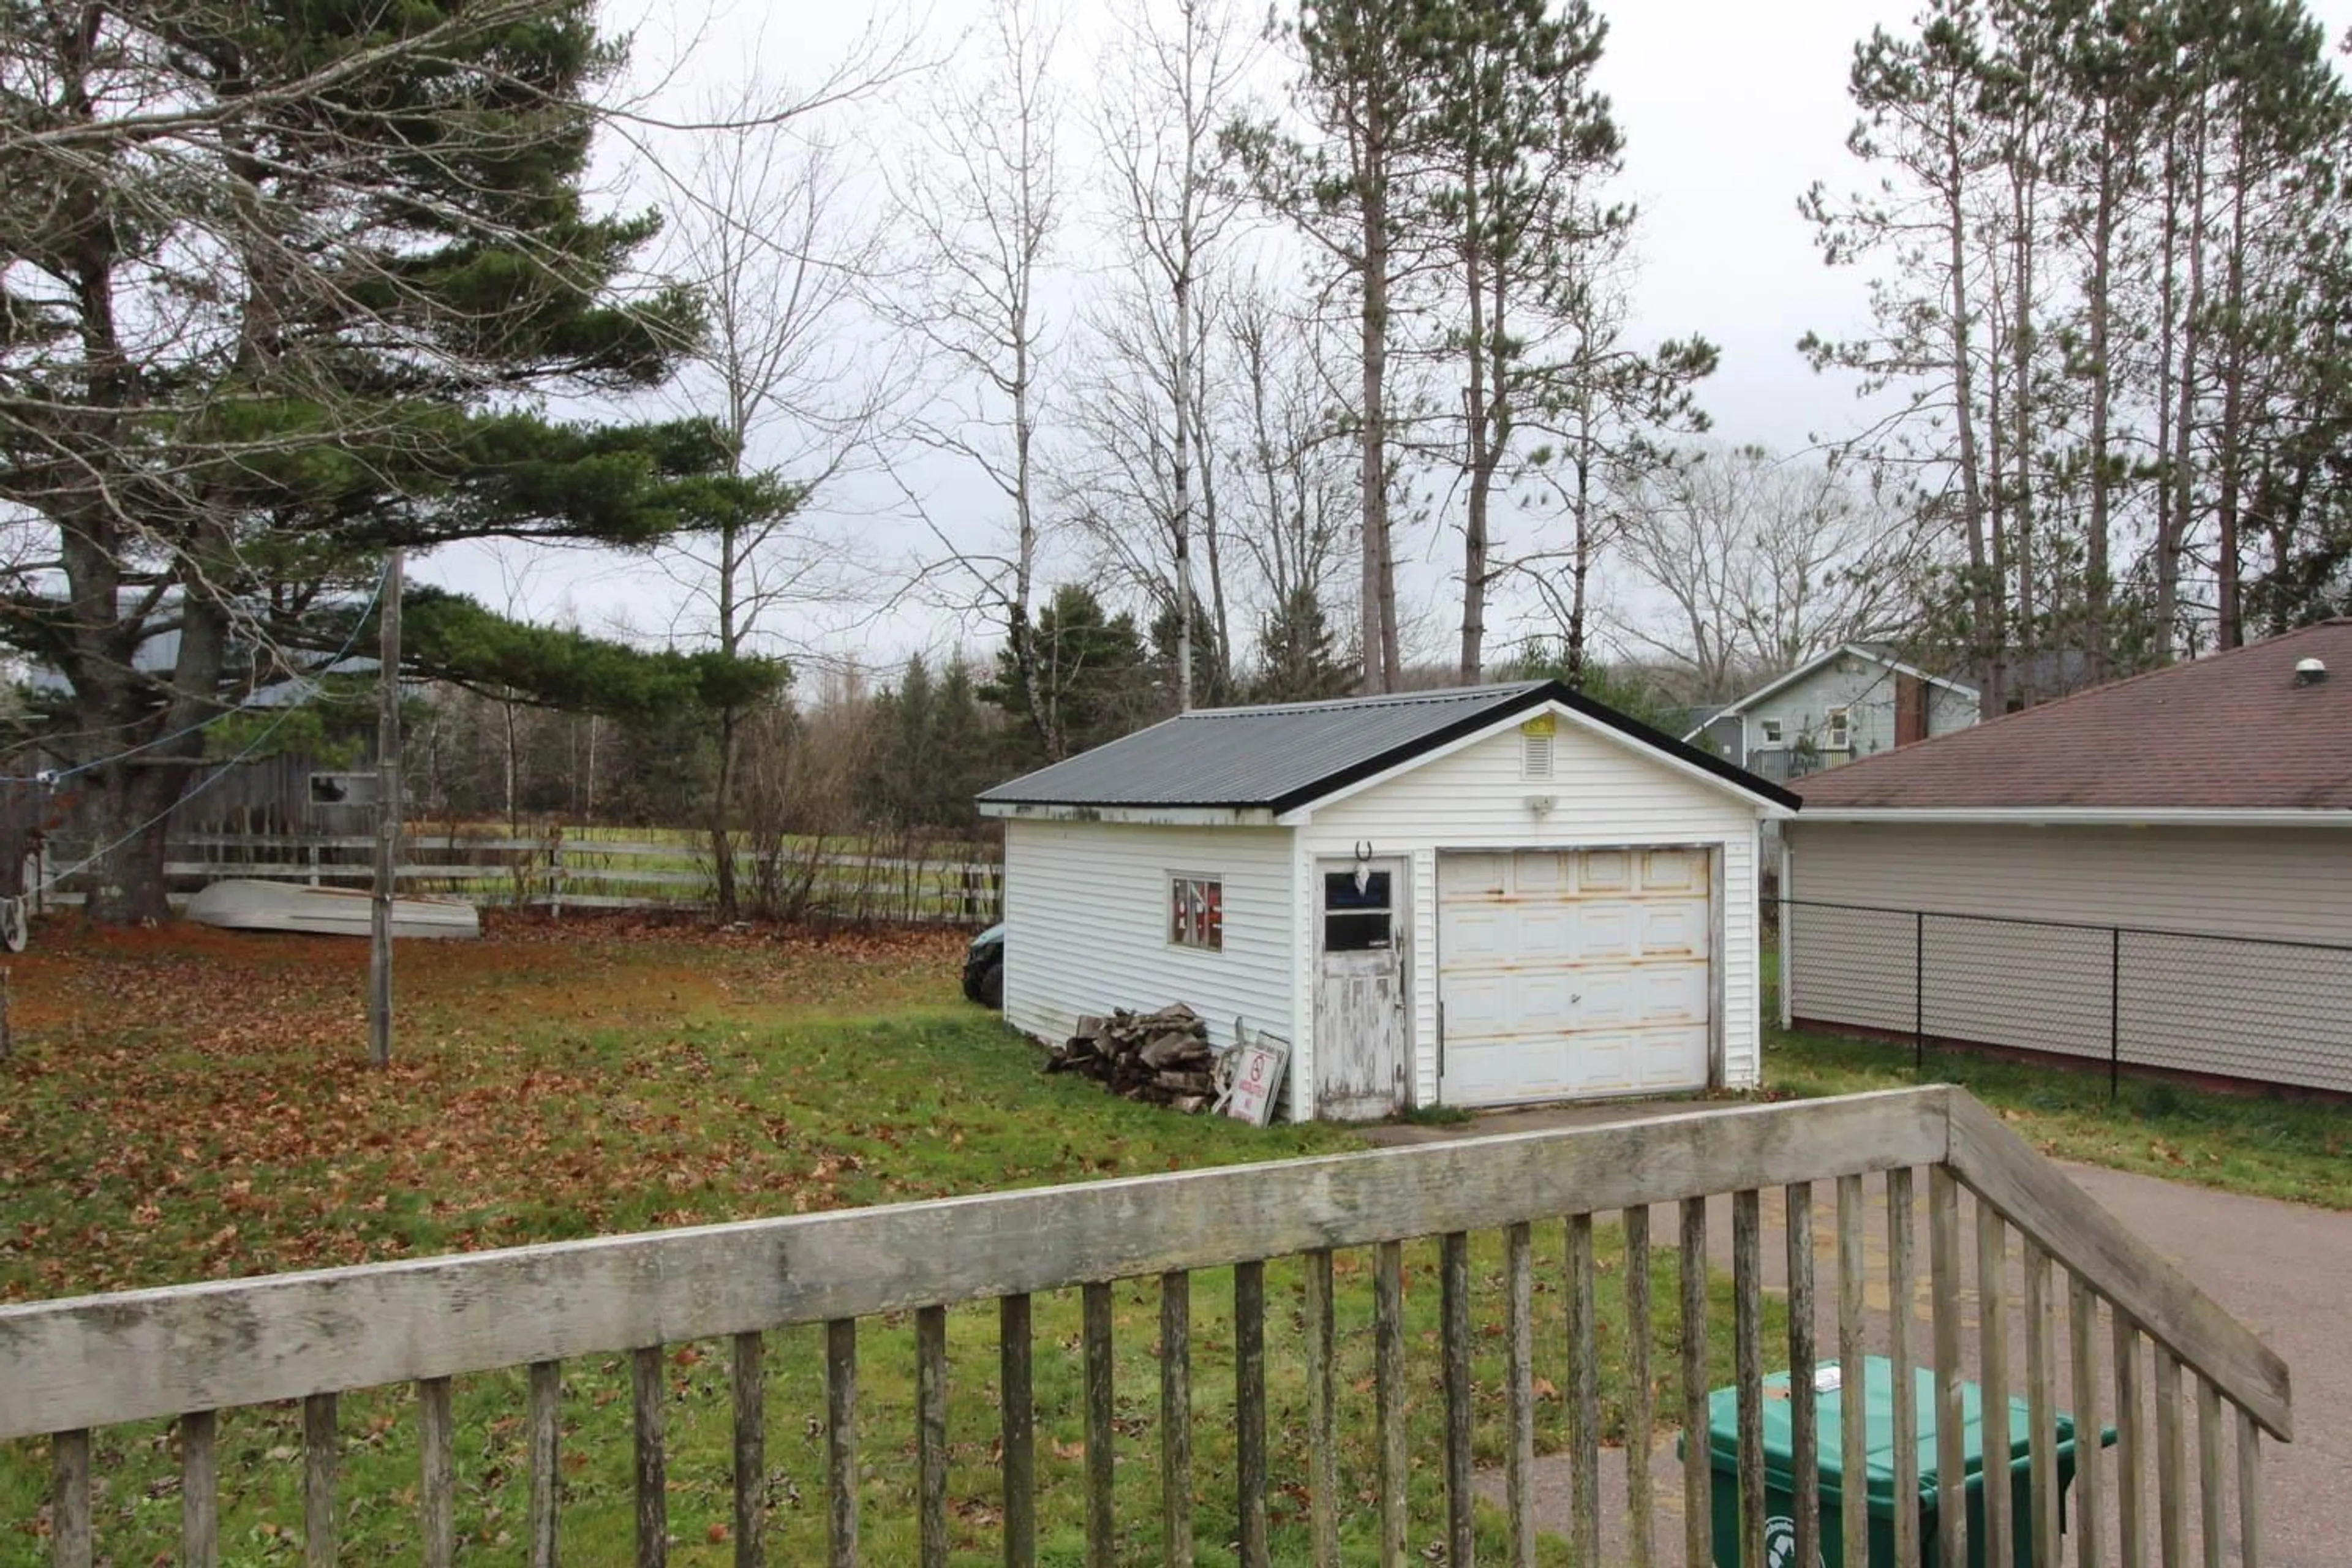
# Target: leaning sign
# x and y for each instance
(1259, 1066)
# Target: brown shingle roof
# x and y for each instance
(2230, 730)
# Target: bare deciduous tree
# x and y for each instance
(767, 225)
(1755, 563)
(1169, 84)
(978, 203)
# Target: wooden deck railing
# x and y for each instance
(184, 1352)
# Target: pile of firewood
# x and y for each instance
(1158, 1058)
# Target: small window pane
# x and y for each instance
(1340, 892)
(1355, 932)
(1196, 912)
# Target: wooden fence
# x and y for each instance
(184, 1352)
(805, 878)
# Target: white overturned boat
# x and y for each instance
(246, 905)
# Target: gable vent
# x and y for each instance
(1535, 756)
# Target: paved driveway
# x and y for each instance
(2284, 1269)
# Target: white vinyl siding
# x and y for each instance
(1087, 916)
(1607, 791)
(2236, 1010)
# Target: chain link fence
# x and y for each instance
(2262, 1010)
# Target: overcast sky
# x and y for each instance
(1730, 109)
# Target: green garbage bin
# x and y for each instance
(1878, 1489)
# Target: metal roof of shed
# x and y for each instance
(1285, 755)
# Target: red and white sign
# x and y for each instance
(1257, 1079)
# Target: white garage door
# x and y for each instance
(1565, 974)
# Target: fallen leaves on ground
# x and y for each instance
(186, 1102)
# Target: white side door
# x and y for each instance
(1362, 1041)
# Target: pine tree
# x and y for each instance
(1298, 657)
(1090, 681)
(303, 313)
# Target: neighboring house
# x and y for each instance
(1483, 896)
(2139, 821)
(1854, 700)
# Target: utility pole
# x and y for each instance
(387, 815)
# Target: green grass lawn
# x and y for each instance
(188, 1104)
(2268, 1146)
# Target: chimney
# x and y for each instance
(2309, 672)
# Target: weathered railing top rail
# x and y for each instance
(94, 1361)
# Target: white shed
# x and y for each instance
(1487, 896)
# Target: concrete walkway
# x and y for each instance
(2283, 1270)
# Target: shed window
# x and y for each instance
(1356, 920)
(1771, 728)
(1196, 912)
(1837, 736)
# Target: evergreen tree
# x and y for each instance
(1091, 684)
(284, 286)
(1300, 659)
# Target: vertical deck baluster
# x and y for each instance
(2212, 1506)
(841, 1441)
(1454, 1318)
(69, 1543)
(1584, 1395)
(649, 1406)
(1176, 1417)
(321, 1458)
(1519, 1393)
(1019, 1432)
(2250, 1492)
(1804, 1399)
(1992, 1370)
(1388, 1395)
(1322, 1435)
(544, 1425)
(199, 1490)
(1748, 1315)
(1249, 1409)
(1852, 1415)
(747, 1393)
(1951, 1438)
(437, 1459)
(1902, 1290)
(1698, 1480)
(1640, 1528)
(1102, 1544)
(2131, 1444)
(2042, 1406)
(2089, 1512)
(931, 1434)
(2171, 1461)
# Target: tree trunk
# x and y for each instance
(722, 836)
(1972, 510)
(2021, 218)
(2169, 527)
(1211, 537)
(1182, 464)
(1480, 461)
(2183, 476)
(1378, 607)
(2229, 615)
(132, 799)
(2096, 593)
